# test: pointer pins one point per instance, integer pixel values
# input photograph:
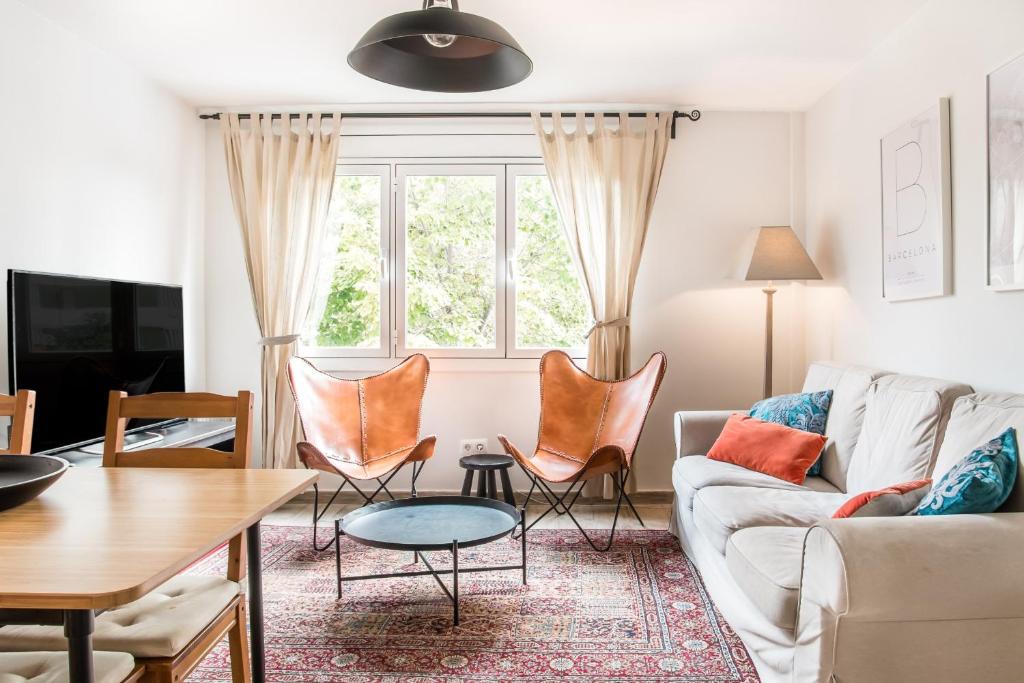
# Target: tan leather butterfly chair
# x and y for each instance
(588, 427)
(363, 429)
(21, 409)
(170, 630)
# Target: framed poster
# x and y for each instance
(916, 219)
(1006, 176)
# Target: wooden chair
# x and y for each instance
(588, 428)
(173, 628)
(361, 430)
(21, 409)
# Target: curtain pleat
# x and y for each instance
(281, 175)
(605, 182)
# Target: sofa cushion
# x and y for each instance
(980, 483)
(904, 420)
(892, 501)
(767, 447)
(974, 420)
(720, 511)
(52, 667)
(694, 472)
(849, 385)
(159, 624)
(766, 563)
(808, 412)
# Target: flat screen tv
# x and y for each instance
(75, 339)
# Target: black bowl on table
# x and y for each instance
(23, 477)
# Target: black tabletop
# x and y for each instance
(485, 461)
(430, 522)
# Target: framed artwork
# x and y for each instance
(916, 223)
(1006, 176)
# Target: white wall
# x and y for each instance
(101, 171)
(724, 176)
(945, 50)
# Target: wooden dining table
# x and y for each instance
(102, 537)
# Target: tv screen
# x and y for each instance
(73, 340)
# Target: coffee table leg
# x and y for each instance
(78, 625)
(467, 482)
(492, 487)
(337, 554)
(256, 644)
(522, 536)
(481, 484)
(455, 582)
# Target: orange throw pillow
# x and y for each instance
(767, 447)
(892, 501)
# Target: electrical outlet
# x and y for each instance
(473, 446)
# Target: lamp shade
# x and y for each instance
(778, 255)
(440, 49)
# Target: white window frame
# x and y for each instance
(386, 268)
(393, 171)
(514, 171)
(402, 173)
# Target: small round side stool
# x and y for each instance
(486, 464)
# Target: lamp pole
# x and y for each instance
(769, 292)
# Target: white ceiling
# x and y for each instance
(717, 54)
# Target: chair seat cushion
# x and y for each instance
(52, 667)
(159, 624)
(720, 511)
(766, 564)
(695, 472)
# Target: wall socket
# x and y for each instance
(472, 446)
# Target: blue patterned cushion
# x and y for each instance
(806, 412)
(979, 483)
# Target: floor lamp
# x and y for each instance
(778, 255)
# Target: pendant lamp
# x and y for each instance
(440, 49)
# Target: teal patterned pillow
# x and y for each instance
(979, 483)
(806, 412)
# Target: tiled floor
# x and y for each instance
(591, 515)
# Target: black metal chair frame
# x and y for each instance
(557, 502)
(367, 499)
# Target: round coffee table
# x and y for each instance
(486, 464)
(431, 523)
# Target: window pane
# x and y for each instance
(346, 311)
(450, 291)
(551, 308)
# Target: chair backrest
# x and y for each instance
(580, 414)
(21, 409)
(358, 420)
(165, 406)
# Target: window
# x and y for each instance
(480, 265)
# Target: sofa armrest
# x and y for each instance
(696, 430)
(912, 598)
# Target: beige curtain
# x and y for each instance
(281, 174)
(604, 182)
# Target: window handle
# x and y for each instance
(383, 268)
(511, 264)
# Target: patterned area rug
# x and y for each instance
(638, 612)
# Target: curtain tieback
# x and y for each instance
(278, 341)
(618, 322)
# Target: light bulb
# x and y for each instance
(441, 40)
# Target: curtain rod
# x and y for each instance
(692, 115)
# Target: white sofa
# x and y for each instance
(864, 599)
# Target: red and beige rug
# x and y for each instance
(638, 612)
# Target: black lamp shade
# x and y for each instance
(483, 57)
